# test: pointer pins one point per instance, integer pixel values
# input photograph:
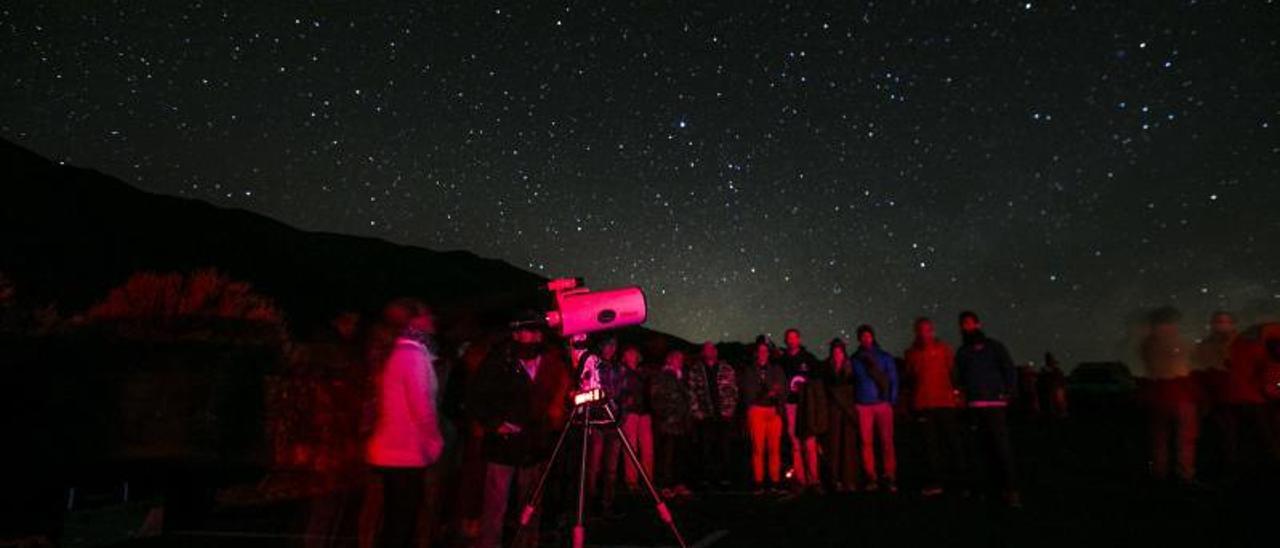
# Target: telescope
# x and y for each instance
(580, 311)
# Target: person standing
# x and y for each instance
(876, 390)
(1053, 387)
(1245, 405)
(798, 364)
(763, 389)
(520, 399)
(637, 415)
(840, 444)
(673, 423)
(988, 380)
(715, 402)
(605, 447)
(1171, 396)
(929, 369)
(406, 436)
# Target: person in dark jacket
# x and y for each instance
(520, 400)
(763, 390)
(605, 448)
(671, 398)
(876, 391)
(636, 414)
(715, 403)
(840, 443)
(930, 368)
(988, 379)
(798, 364)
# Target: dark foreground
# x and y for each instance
(1083, 485)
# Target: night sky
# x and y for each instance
(1056, 166)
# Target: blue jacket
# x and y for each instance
(866, 392)
(985, 370)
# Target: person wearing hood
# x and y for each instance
(840, 441)
(521, 400)
(930, 365)
(875, 393)
(988, 380)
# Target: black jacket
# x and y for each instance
(802, 364)
(503, 392)
(985, 371)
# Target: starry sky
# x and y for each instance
(1057, 166)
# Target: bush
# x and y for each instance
(204, 304)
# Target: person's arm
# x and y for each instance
(418, 379)
(959, 370)
(1007, 371)
(892, 367)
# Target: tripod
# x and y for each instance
(582, 414)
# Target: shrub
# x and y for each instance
(204, 302)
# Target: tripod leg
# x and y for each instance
(579, 529)
(535, 498)
(663, 512)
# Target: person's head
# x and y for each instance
(1222, 323)
(608, 348)
(792, 339)
(631, 356)
(1164, 321)
(1050, 361)
(838, 354)
(675, 360)
(925, 331)
(526, 336)
(346, 324)
(709, 353)
(866, 336)
(762, 352)
(969, 322)
(409, 315)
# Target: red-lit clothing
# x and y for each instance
(929, 367)
(1168, 366)
(407, 433)
(1243, 383)
(764, 424)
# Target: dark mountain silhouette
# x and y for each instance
(71, 234)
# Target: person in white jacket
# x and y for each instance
(406, 437)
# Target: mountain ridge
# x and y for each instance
(71, 234)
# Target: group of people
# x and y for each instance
(1226, 381)
(682, 417)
